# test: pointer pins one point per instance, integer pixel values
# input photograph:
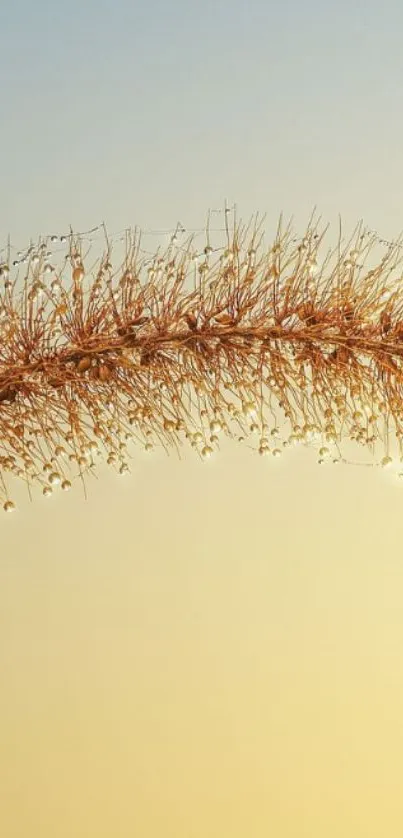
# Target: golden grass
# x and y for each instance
(178, 348)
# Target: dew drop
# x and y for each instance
(54, 478)
(323, 452)
(215, 426)
(248, 408)
(206, 452)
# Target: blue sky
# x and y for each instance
(145, 113)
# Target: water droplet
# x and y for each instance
(54, 478)
(206, 452)
(215, 426)
(248, 408)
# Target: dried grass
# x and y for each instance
(176, 349)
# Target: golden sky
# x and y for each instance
(205, 649)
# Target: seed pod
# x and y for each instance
(84, 364)
(191, 320)
(9, 394)
(55, 382)
(78, 273)
(146, 357)
(385, 321)
(340, 355)
(138, 321)
(104, 372)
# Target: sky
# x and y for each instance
(202, 649)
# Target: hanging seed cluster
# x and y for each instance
(180, 348)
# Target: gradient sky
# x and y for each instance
(203, 650)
